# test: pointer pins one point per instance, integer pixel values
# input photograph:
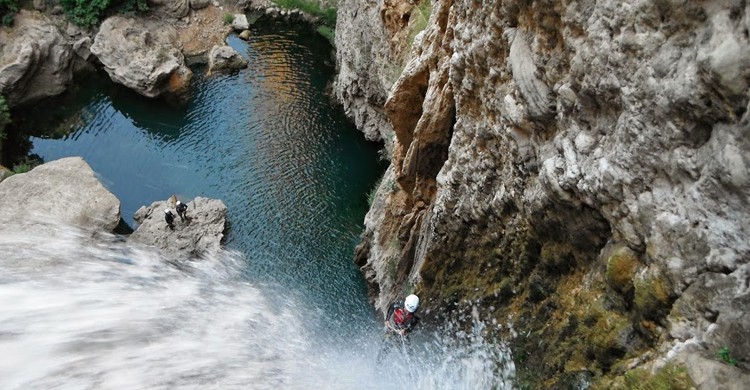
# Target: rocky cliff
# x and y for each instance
(576, 169)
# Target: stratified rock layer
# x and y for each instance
(200, 235)
(64, 192)
(577, 169)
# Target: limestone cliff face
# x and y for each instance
(370, 42)
(575, 168)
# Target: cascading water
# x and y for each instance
(78, 312)
(283, 308)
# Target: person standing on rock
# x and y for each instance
(181, 210)
(169, 218)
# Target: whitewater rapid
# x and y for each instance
(83, 312)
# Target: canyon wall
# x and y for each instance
(577, 170)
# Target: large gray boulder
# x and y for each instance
(62, 192)
(143, 55)
(225, 58)
(36, 61)
(198, 236)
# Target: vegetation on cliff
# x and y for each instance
(4, 116)
(8, 9)
(326, 14)
(89, 13)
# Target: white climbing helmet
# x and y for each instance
(166, 211)
(411, 303)
(179, 203)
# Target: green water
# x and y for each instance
(266, 140)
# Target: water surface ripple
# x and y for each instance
(266, 140)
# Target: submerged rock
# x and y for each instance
(200, 235)
(61, 192)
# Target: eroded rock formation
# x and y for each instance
(143, 55)
(36, 60)
(576, 169)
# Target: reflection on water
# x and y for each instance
(292, 171)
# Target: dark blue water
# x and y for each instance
(266, 140)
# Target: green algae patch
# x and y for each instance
(621, 268)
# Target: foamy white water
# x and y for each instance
(78, 312)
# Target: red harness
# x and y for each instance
(401, 317)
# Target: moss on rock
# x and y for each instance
(652, 296)
(670, 377)
(621, 268)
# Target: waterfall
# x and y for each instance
(83, 312)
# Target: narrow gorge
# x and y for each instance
(575, 171)
(567, 177)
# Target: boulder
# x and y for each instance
(240, 23)
(143, 55)
(36, 61)
(709, 373)
(61, 192)
(200, 235)
(225, 58)
(199, 4)
(173, 8)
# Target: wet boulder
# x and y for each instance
(199, 235)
